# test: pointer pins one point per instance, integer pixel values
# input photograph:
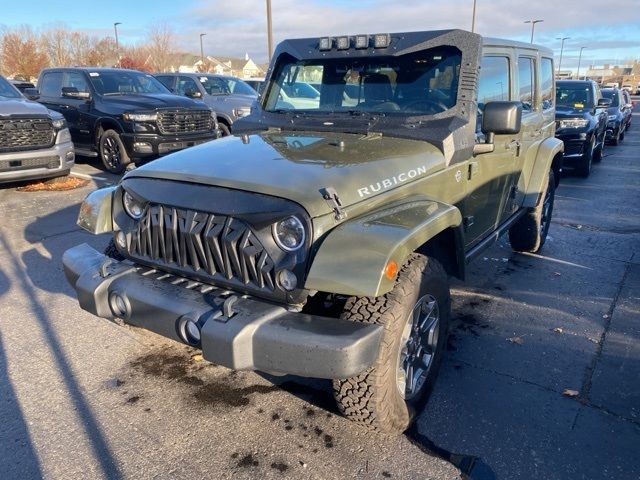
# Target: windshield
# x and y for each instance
(421, 83)
(613, 96)
(574, 96)
(7, 90)
(225, 86)
(125, 83)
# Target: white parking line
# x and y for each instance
(89, 177)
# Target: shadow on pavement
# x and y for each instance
(94, 435)
(19, 459)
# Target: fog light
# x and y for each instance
(118, 305)
(287, 279)
(121, 239)
(69, 157)
(189, 331)
(142, 147)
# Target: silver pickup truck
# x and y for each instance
(34, 141)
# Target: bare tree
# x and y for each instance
(55, 43)
(22, 55)
(160, 46)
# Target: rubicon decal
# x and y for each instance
(391, 181)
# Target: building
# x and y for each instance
(608, 73)
(236, 67)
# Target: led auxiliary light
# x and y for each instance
(325, 43)
(342, 43)
(362, 41)
(381, 40)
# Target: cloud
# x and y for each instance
(234, 28)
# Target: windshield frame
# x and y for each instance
(94, 75)
(11, 88)
(452, 56)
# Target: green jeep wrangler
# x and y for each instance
(319, 238)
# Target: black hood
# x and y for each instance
(149, 101)
(566, 111)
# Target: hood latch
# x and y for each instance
(333, 200)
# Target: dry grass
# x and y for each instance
(59, 184)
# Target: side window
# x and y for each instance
(526, 83)
(75, 79)
(185, 84)
(167, 81)
(546, 87)
(493, 84)
(51, 84)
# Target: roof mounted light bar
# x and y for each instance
(380, 40)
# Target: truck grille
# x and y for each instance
(209, 246)
(185, 121)
(26, 134)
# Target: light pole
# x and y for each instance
(115, 29)
(533, 26)
(580, 61)
(561, 50)
(473, 18)
(202, 49)
(269, 31)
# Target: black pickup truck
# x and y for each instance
(581, 121)
(124, 116)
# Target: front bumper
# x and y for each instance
(148, 145)
(236, 331)
(574, 143)
(34, 164)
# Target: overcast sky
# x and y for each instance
(609, 30)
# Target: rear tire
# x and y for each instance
(530, 232)
(112, 152)
(415, 318)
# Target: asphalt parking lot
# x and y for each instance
(84, 398)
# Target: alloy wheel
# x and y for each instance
(419, 342)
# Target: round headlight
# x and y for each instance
(132, 206)
(289, 233)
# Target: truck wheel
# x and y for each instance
(599, 152)
(584, 168)
(112, 251)
(112, 152)
(415, 317)
(530, 232)
(616, 139)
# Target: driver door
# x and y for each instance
(489, 174)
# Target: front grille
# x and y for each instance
(210, 246)
(29, 163)
(26, 134)
(184, 121)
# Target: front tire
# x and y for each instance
(415, 318)
(112, 152)
(529, 233)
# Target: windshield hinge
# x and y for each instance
(333, 200)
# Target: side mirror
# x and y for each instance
(604, 102)
(72, 92)
(193, 93)
(31, 93)
(498, 118)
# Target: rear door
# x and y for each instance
(489, 173)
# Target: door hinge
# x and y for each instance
(333, 200)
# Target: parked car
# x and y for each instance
(230, 97)
(616, 115)
(256, 83)
(628, 109)
(124, 116)
(320, 242)
(22, 85)
(300, 95)
(34, 141)
(581, 123)
(627, 87)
